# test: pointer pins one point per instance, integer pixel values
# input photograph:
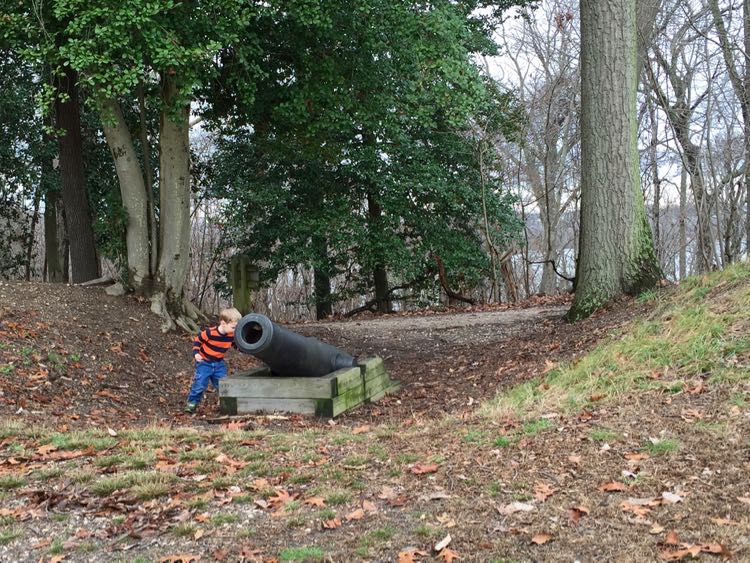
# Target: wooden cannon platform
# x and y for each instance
(328, 395)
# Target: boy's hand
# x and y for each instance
(198, 358)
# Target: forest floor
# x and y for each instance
(98, 462)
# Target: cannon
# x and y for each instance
(286, 352)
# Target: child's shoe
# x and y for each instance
(190, 407)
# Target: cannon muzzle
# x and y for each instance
(286, 352)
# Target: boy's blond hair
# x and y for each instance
(230, 315)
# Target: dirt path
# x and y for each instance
(85, 356)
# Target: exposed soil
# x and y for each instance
(86, 356)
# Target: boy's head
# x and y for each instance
(228, 319)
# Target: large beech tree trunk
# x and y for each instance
(168, 299)
(84, 263)
(133, 190)
(616, 250)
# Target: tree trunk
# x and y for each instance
(32, 232)
(653, 146)
(51, 239)
(85, 265)
(746, 118)
(169, 299)
(322, 284)
(692, 161)
(153, 231)
(682, 224)
(379, 273)
(133, 192)
(741, 86)
(616, 250)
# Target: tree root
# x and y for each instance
(183, 313)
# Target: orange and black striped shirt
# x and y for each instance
(212, 345)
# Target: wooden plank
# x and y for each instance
(227, 405)
(338, 405)
(348, 378)
(369, 364)
(253, 372)
(375, 386)
(377, 396)
(374, 374)
(278, 387)
(249, 405)
(349, 384)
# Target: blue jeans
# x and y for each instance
(205, 372)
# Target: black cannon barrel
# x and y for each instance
(286, 352)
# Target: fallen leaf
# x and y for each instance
(281, 498)
(424, 468)
(514, 507)
(410, 555)
(613, 487)
(723, 521)
(355, 515)
(387, 493)
(542, 491)
(656, 529)
(442, 544)
(181, 558)
(45, 449)
(315, 501)
(677, 555)
(360, 429)
(220, 554)
(636, 456)
(437, 495)
(640, 511)
(199, 533)
(260, 484)
(331, 524)
(541, 539)
(448, 555)
(576, 512)
(112, 432)
(671, 498)
(446, 520)
(41, 543)
(369, 506)
(574, 459)
(672, 538)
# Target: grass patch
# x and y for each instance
(184, 530)
(336, 498)
(8, 482)
(224, 518)
(690, 334)
(662, 447)
(199, 454)
(503, 442)
(301, 554)
(604, 435)
(145, 483)
(534, 427)
(382, 534)
(7, 536)
(83, 440)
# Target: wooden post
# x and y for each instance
(244, 278)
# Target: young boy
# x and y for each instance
(209, 350)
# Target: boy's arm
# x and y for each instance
(198, 340)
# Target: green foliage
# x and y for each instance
(22, 154)
(357, 153)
